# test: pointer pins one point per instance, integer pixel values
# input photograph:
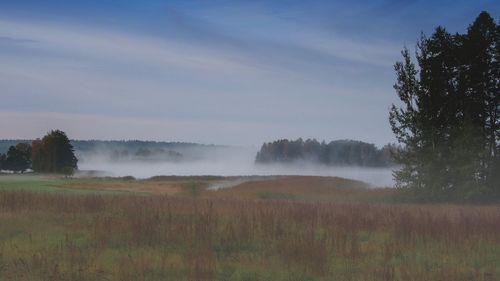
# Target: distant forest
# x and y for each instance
(136, 150)
(124, 150)
(334, 153)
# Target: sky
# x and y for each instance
(215, 72)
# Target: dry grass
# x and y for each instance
(157, 188)
(50, 236)
(305, 188)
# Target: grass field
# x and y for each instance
(276, 228)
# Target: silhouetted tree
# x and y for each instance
(18, 158)
(54, 154)
(2, 161)
(448, 123)
(481, 55)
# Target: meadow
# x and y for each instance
(272, 228)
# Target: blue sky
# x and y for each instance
(225, 72)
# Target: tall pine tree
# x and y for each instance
(449, 118)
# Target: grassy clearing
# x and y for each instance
(246, 233)
(181, 186)
(57, 184)
(34, 183)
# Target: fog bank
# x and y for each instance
(232, 162)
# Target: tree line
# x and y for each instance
(334, 153)
(51, 154)
(132, 146)
(449, 119)
(145, 154)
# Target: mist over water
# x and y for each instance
(229, 162)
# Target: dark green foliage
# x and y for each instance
(17, 159)
(338, 153)
(449, 120)
(2, 161)
(54, 154)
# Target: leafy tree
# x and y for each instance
(448, 122)
(38, 156)
(2, 161)
(54, 154)
(18, 158)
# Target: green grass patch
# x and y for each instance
(54, 184)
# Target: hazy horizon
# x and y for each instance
(192, 159)
(232, 73)
(226, 161)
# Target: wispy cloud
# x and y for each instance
(221, 71)
(5, 40)
(114, 74)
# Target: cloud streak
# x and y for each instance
(263, 70)
(110, 73)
